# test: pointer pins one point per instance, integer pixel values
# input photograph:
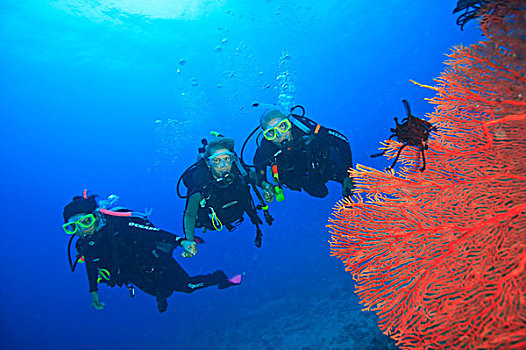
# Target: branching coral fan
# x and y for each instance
(441, 255)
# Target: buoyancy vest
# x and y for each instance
(115, 211)
(227, 202)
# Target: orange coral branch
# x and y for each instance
(424, 86)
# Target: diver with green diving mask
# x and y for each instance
(301, 154)
(122, 247)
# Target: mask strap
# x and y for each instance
(220, 154)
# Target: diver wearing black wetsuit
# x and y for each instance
(218, 194)
(130, 250)
(229, 200)
(307, 158)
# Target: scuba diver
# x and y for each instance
(122, 247)
(301, 154)
(218, 192)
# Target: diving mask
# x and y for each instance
(282, 127)
(221, 159)
(81, 224)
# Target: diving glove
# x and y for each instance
(348, 186)
(268, 191)
(190, 249)
(95, 301)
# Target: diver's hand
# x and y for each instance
(95, 301)
(190, 249)
(268, 191)
(348, 186)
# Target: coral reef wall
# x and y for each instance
(440, 255)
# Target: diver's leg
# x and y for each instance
(188, 284)
(218, 278)
(339, 158)
(152, 278)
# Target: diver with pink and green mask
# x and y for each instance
(301, 154)
(122, 247)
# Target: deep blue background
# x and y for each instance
(82, 86)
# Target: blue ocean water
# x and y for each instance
(115, 96)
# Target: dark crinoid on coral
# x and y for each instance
(412, 131)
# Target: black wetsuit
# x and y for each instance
(229, 202)
(134, 251)
(308, 161)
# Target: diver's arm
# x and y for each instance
(91, 269)
(139, 232)
(190, 215)
(343, 150)
(131, 230)
(92, 272)
(252, 177)
(347, 162)
(260, 174)
(346, 158)
(339, 150)
(190, 248)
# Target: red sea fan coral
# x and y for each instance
(441, 255)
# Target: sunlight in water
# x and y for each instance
(117, 10)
